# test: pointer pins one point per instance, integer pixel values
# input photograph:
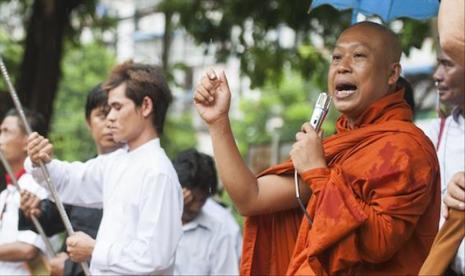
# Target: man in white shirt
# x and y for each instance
(206, 247)
(17, 247)
(82, 219)
(224, 215)
(137, 186)
(448, 134)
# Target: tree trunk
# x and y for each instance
(41, 64)
(167, 39)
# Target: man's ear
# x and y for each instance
(394, 75)
(147, 106)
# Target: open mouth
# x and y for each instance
(345, 89)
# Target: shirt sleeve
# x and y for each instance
(30, 237)
(223, 254)
(77, 183)
(158, 231)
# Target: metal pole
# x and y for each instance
(51, 186)
(50, 251)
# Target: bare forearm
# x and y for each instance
(17, 252)
(237, 178)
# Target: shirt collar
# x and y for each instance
(155, 143)
(202, 220)
(17, 176)
(457, 115)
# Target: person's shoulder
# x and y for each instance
(221, 213)
(212, 223)
(429, 126)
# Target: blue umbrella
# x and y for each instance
(386, 9)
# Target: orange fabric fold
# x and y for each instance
(375, 209)
(445, 245)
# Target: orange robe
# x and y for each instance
(375, 209)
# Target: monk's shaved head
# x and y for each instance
(388, 40)
(364, 68)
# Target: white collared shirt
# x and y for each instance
(9, 207)
(206, 248)
(142, 207)
(451, 156)
(224, 215)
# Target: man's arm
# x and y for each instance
(157, 234)
(251, 196)
(17, 252)
(77, 183)
(45, 211)
(455, 199)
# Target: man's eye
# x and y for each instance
(359, 55)
(336, 57)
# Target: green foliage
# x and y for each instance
(179, 133)
(292, 101)
(83, 68)
(413, 34)
(11, 52)
(249, 30)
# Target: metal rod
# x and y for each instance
(43, 168)
(35, 221)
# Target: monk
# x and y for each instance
(372, 189)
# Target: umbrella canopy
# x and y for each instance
(386, 9)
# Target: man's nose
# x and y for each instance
(438, 75)
(111, 116)
(344, 65)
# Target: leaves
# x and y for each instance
(83, 68)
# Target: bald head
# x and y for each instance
(387, 40)
(364, 68)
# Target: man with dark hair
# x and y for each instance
(136, 185)
(141, 82)
(206, 247)
(17, 246)
(83, 219)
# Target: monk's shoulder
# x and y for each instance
(412, 144)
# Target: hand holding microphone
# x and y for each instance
(307, 152)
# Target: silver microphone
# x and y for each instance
(320, 111)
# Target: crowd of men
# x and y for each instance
(372, 191)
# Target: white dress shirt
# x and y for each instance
(142, 207)
(451, 156)
(224, 215)
(206, 248)
(9, 207)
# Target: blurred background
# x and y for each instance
(275, 54)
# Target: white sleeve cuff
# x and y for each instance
(30, 237)
(100, 255)
(28, 165)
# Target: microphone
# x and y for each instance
(318, 116)
(320, 110)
